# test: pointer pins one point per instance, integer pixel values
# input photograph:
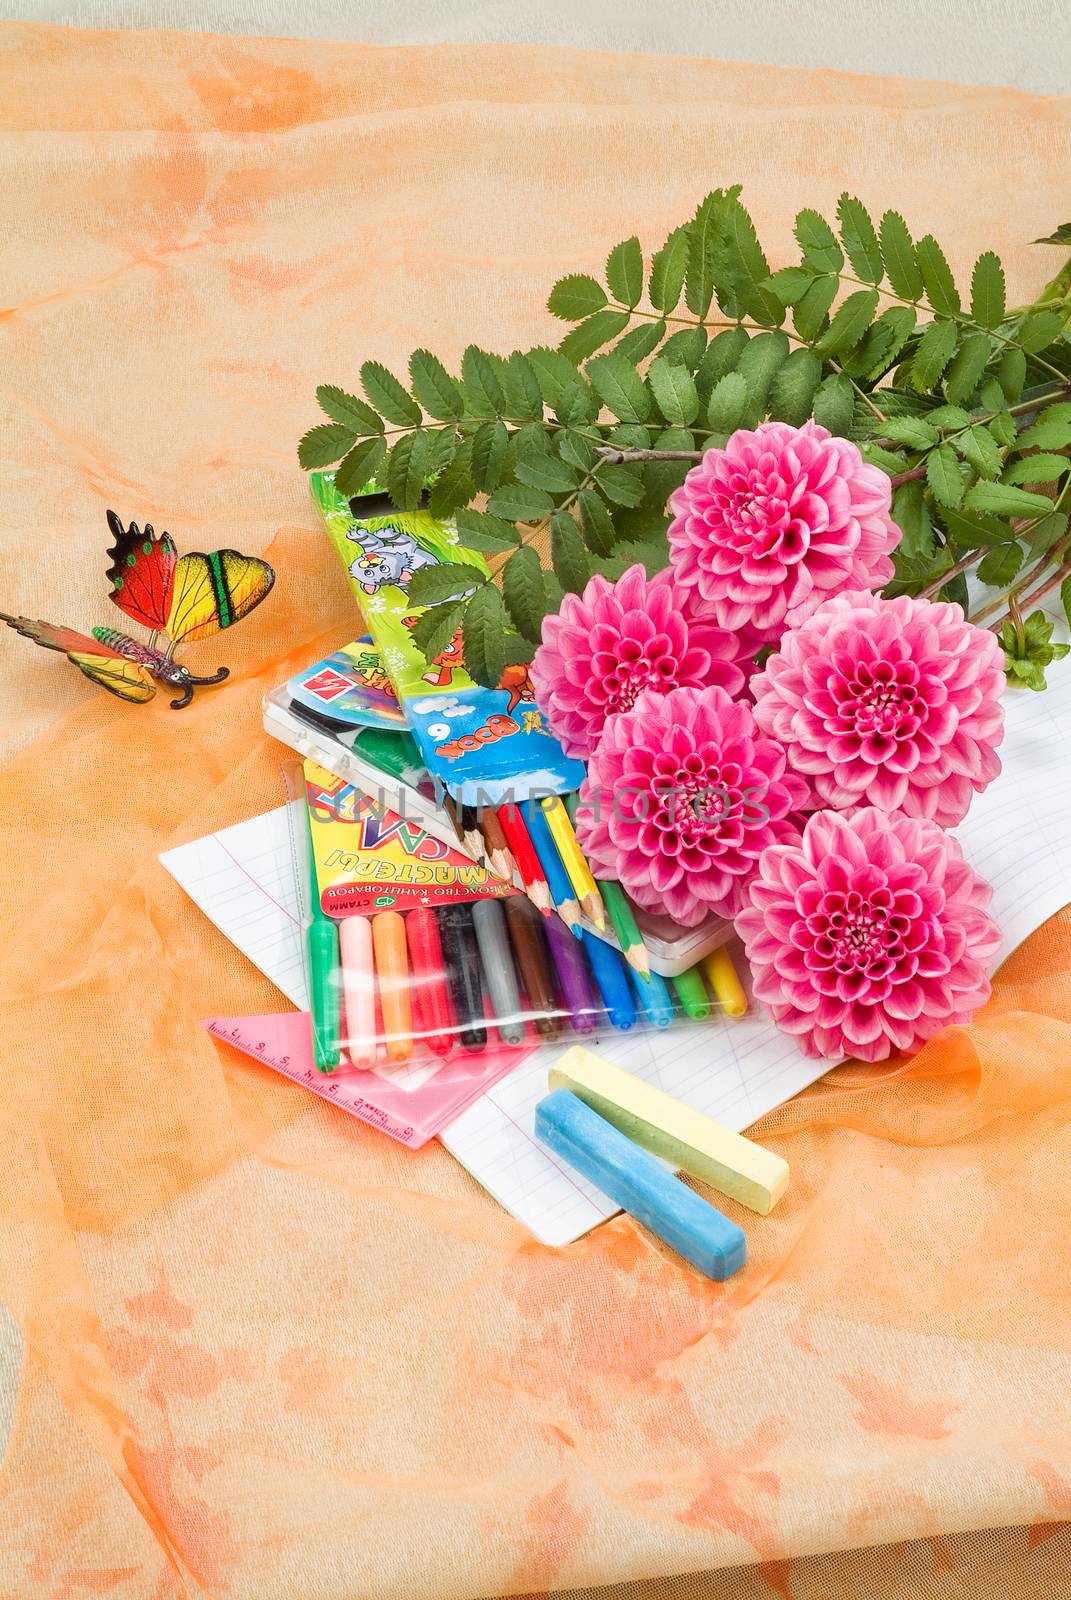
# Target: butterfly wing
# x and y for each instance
(113, 671)
(128, 679)
(142, 572)
(215, 591)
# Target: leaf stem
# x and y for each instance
(962, 565)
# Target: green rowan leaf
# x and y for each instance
(577, 449)
(1003, 429)
(849, 323)
(1040, 468)
(360, 465)
(999, 565)
(944, 476)
(520, 502)
(728, 402)
(948, 416)
(760, 359)
(987, 290)
(621, 484)
(937, 277)
(437, 391)
(348, 410)
(834, 404)
(914, 432)
(560, 382)
(483, 634)
(674, 390)
(546, 472)
(1045, 533)
(685, 347)
(522, 590)
(662, 477)
(968, 366)
(703, 232)
(407, 470)
(478, 530)
(859, 239)
(912, 516)
(980, 450)
(651, 553)
(576, 297)
(591, 334)
(1005, 501)
(435, 628)
(1040, 329)
(388, 396)
(1052, 430)
(620, 387)
(489, 454)
(720, 357)
(567, 551)
(818, 242)
(455, 485)
(898, 253)
(483, 391)
(967, 530)
(935, 351)
(789, 284)
(739, 261)
(1011, 374)
(638, 343)
(523, 396)
(324, 444)
(812, 308)
(624, 271)
(596, 522)
(793, 389)
(431, 586)
(900, 320)
(668, 269)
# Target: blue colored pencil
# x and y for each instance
(610, 971)
(561, 890)
(653, 995)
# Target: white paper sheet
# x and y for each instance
(1017, 835)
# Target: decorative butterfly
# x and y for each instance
(188, 597)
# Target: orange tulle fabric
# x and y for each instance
(266, 1351)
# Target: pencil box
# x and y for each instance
(358, 756)
(439, 957)
(488, 746)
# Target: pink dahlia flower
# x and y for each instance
(682, 796)
(888, 703)
(869, 935)
(778, 521)
(605, 647)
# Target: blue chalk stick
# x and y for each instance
(610, 973)
(653, 995)
(640, 1185)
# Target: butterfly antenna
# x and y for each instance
(217, 677)
(187, 696)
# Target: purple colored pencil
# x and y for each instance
(572, 975)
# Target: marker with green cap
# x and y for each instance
(321, 942)
(692, 994)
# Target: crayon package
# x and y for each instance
(417, 956)
(488, 746)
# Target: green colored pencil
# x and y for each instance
(620, 913)
(692, 994)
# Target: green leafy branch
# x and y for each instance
(558, 463)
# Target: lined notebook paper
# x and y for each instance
(1016, 836)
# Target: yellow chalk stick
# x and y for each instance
(668, 1128)
(721, 975)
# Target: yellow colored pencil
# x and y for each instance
(721, 975)
(579, 873)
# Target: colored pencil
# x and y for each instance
(498, 851)
(358, 990)
(490, 926)
(608, 966)
(530, 952)
(693, 995)
(654, 998)
(474, 839)
(321, 950)
(620, 912)
(429, 978)
(561, 890)
(721, 975)
(461, 962)
(523, 851)
(572, 976)
(561, 831)
(392, 976)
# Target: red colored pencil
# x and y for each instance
(524, 854)
(426, 961)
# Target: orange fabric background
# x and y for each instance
(270, 1353)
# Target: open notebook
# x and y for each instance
(1016, 836)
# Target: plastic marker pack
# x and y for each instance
(489, 746)
(350, 689)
